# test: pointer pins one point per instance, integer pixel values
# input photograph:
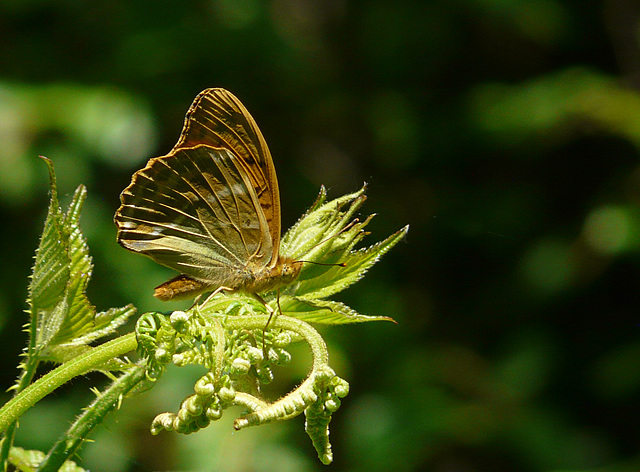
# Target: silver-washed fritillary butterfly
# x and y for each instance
(210, 208)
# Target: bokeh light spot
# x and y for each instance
(607, 229)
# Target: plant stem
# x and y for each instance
(92, 416)
(287, 406)
(28, 371)
(46, 384)
(319, 351)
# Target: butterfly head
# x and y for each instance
(290, 270)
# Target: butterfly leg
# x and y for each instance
(266, 327)
(211, 295)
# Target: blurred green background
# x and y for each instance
(506, 132)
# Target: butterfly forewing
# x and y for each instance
(217, 118)
(210, 207)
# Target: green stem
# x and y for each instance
(46, 384)
(319, 352)
(28, 371)
(92, 416)
(219, 348)
(293, 403)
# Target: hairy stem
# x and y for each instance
(46, 384)
(29, 368)
(319, 352)
(28, 371)
(293, 403)
(93, 415)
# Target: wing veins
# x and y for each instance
(239, 139)
(206, 202)
(167, 226)
(226, 175)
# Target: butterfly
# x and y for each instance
(210, 208)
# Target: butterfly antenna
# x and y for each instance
(339, 264)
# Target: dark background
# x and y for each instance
(506, 134)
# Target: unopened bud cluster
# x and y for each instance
(233, 358)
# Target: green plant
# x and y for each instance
(227, 334)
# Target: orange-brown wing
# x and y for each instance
(210, 208)
(217, 118)
(195, 211)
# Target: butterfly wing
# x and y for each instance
(207, 208)
(217, 118)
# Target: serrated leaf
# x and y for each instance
(326, 312)
(47, 290)
(357, 263)
(80, 317)
(51, 268)
(303, 240)
(106, 323)
(63, 317)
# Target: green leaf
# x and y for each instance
(324, 238)
(357, 263)
(106, 323)
(320, 225)
(326, 312)
(50, 273)
(103, 324)
(63, 319)
(81, 313)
